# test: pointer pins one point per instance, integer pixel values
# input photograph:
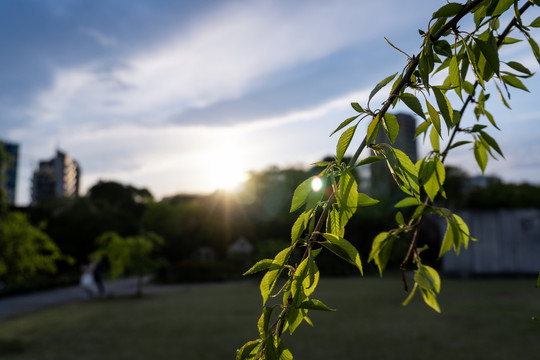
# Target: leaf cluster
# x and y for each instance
(467, 61)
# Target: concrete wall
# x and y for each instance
(508, 243)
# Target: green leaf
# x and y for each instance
(391, 127)
(453, 72)
(283, 352)
(344, 141)
(299, 226)
(434, 139)
(480, 154)
(448, 10)
(457, 234)
(399, 218)
(464, 69)
(381, 250)
(364, 200)
(249, 350)
(519, 67)
(430, 299)
(491, 119)
(422, 128)
(502, 96)
(300, 194)
(369, 160)
(490, 51)
(434, 117)
(380, 85)
(314, 304)
(357, 107)
(444, 106)
(411, 295)
(536, 22)
(311, 281)
(442, 47)
(434, 182)
(464, 234)
(408, 201)
(343, 249)
(508, 41)
(444, 64)
(269, 279)
(344, 123)
(491, 142)
(264, 320)
(397, 81)
(534, 47)
(428, 278)
(333, 223)
(448, 239)
(459, 143)
(413, 103)
(425, 64)
(514, 82)
(538, 280)
(373, 129)
(474, 63)
(501, 7)
(347, 196)
(321, 163)
(437, 26)
(259, 266)
(275, 349)
(408, 170)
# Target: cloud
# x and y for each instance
(219, 56)
(172, 157)
(99, 37)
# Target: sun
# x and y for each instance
(227, 169)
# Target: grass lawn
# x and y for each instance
(481, 319)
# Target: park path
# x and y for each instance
(20, 304)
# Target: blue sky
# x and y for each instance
(179, 96)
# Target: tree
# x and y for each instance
(461, 57)
(25, 250)
(124, 205)
(132, 254)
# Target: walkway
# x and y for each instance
(24, 303)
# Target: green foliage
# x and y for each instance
(25, 250)
(131, 254)
(455, 54)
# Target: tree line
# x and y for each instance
(138, 234)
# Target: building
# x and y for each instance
(382, 183)
(9, 158)
(58, 177)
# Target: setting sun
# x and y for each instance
(227, 171)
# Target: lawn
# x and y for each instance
(481, 319)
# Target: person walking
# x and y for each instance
(87, 279)
(99, 270)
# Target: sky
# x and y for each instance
(188, 96)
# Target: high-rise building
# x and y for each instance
(9, 158)
(382, 183)
(58, 177)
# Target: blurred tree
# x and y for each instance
(124, 204)
(501, 195)
(129, 255)
(75, 223)
(25, 250)
(171, 221)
